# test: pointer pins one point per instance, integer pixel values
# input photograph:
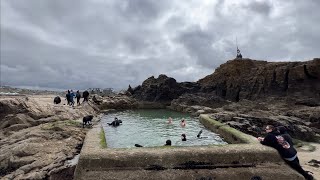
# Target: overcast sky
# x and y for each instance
(79, 44)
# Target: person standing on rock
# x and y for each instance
(78, 96)
(71, 98)
(287, 152)
(85, 96)
(68, 97)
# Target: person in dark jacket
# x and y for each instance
(85, 96)
(115, 123)
(71, 98)
(78, 96)
(285, 149)
(68, 97)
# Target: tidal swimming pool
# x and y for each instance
(150, 128)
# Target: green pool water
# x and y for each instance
(149, 128)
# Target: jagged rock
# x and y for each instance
(201, 99)
(314, 163)
(309, 102)
(97, 99)
(34, 134)
(162, 89)
(118, 102)
(314, 119)
(250, 79)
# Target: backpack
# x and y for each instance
(282, 142)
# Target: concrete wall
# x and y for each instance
(233, 161)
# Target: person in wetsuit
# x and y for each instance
(78, 96)
(115, 123)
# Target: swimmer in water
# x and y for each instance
(168, 142)
(183, 137)
(183, 123)
(170, 120)
(199, 134)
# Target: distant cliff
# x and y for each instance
(240, 79)
(249, 79)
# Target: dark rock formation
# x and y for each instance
(247, 95)
(201, 99)
(162, 89)
(251, 79)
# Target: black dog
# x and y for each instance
(57, 100)
(87, 120)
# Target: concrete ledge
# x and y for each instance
(233, 161)
(229, 134)
(214, 174)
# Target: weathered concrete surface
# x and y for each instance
(229, 134)
(235, 161)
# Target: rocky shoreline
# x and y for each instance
(38, 138)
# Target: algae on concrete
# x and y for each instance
(103, 142)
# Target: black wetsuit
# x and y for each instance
(286, 154)
(85, 96)
(68, 97)
(115, 123)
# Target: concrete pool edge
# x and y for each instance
(250, 159)
(228, 133)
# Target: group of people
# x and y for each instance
(278, 138)
(70, 95)
(183, 124)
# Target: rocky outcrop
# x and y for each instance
(117, 102)
(201, 99)
(38, 137)
(162, 89)
(251, 79)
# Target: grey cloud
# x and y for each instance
(260, 7)
(81, 44)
